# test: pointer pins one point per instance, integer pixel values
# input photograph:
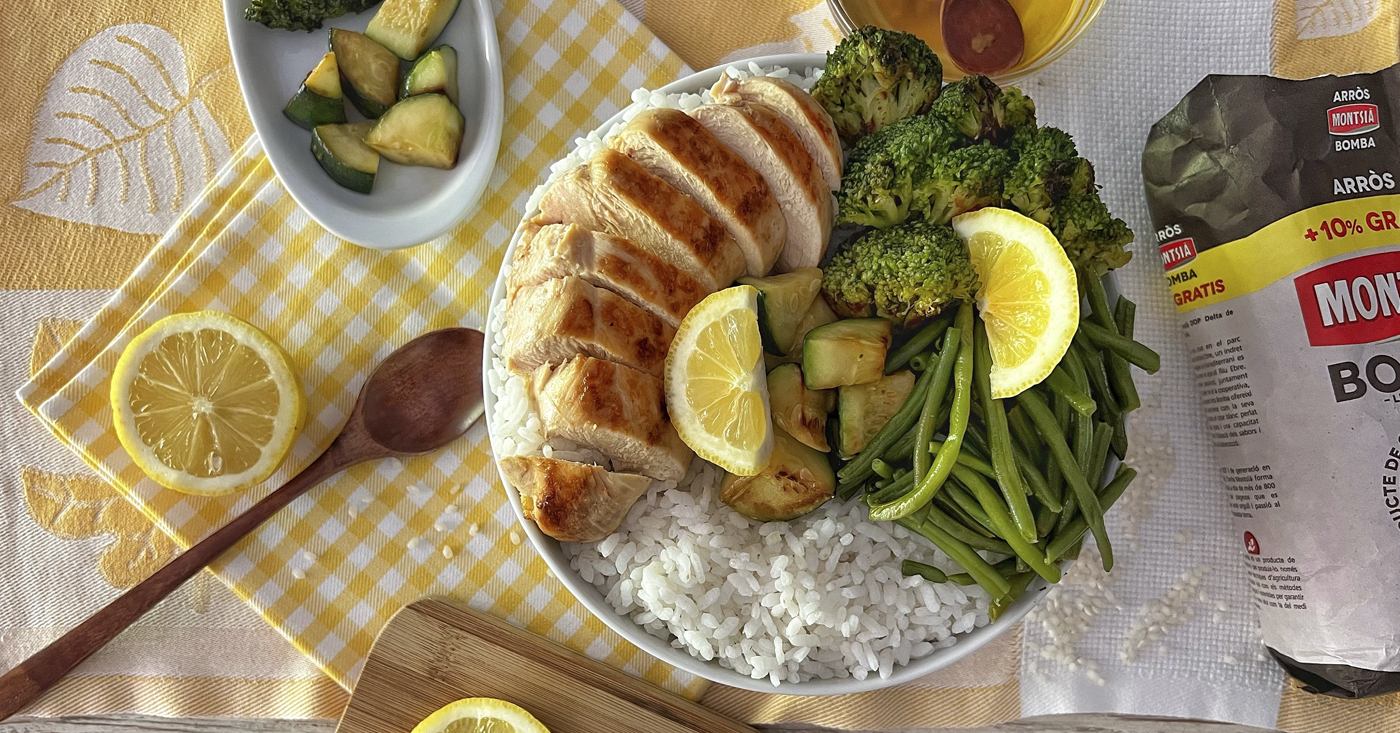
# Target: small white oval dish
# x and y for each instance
(409, 205)
(665, 649)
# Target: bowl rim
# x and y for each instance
(663, 649)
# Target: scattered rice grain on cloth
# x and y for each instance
(818, 597)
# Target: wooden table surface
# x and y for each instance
(1045, 724)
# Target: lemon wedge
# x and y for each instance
(1028, 295)
(480, 715)
(205, 403)
(716, 387)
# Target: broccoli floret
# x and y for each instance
(1091, 236)
(301, 15)
(878, 183)
(876, 77)
(1014, 111)
(906, 274)
(1047, 169)
(959, 181)
(969, 105)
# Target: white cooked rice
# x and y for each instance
(818, 597)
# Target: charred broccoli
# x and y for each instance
(876, 77)
(301, 15)
(959, 181)
(1091, 236)
(906, 274)
(981, 110)
(879, 181)
(1047, 169)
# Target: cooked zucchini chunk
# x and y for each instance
(434, 71)
(319, 100)
(341, 151)
(407, 27)
(845, 353)
(783, 301)
(422, 130)
(369, 72)
(865, 408)
(800, 411)
(796, 481)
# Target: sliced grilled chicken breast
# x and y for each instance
(615, 410)
(558, 319)
(572, 502)
(614, 194)
(680, 151)
(797, 108)
(761, 137)
(645, 280)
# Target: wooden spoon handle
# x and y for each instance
(35, 675)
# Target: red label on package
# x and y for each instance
(1355, 301)
(1353, 119)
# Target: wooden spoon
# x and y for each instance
(983, 36)
(424, 396)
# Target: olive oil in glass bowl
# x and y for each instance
(1051, 27)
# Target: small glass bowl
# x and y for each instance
(1088, 12)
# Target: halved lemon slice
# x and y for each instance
(205, 403)
(480, 715)
(716, 388)
(1028, 296)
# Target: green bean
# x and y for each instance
(977, 541)
(957, 425)
(894, 489)
(1088, 501)
(1039, 487)
(1103, 433)
(999, 439)
(846, 491)
(1098, 300)
(1069, 537)
(924, 570)
(902, 448)
(1003, 524)
(1094, 368)
(859, 469)
(933, 401)
(1120, 373)
(945, 501)
(966, 458)
(1120, 438)
(882, 469)
(970, 506)
(961, 579)
(1134, 351)
(1063, 385)
(920, 342)
(1045, 519)
(1018, 583)
(920, 361)
(1021, 430)
(979, 569)
(1083, 444)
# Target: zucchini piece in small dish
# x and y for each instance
(369, 72)
(433, 72)
(425, 129)
(342, 153)
(319, 100)
(409, 27)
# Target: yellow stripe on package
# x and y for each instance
(1278, 224)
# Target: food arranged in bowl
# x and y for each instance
(800, 378)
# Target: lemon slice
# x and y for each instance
(1028, 296)
(480, 715)
(716, 388)
(205, 403)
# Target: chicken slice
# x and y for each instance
(798, 109)
(614, 194)
(615, 410)
(572, 502)
(680, 151)
(558, 319)
(760, 137)
(645, 280)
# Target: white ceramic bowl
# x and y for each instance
(592, 598)
(409, 205)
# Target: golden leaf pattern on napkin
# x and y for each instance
(1329, 18)
(78, 506)
(50, 336)
(122, 138)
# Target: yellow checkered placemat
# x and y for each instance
(329, 572)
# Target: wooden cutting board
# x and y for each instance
(436, 650)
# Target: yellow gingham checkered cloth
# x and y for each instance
(329, 572)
